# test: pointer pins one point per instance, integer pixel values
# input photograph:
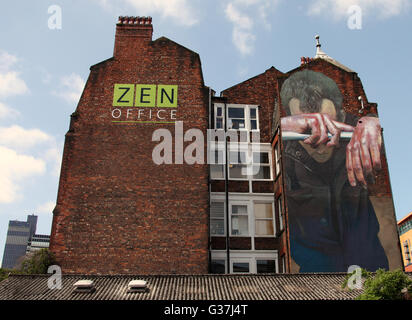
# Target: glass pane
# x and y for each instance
(263, 172)
(263, 211)
(218, 266)
(217, 227)
(218, 111)
(238, 113)
(239, 209)
(253, 113)
(217, 209)
(237, 157)
(264, 228)
(265, 266)
(260, 157)
(253, 124)
(217, 171)
(240, 226)
(238, 171)
(238, 124)
(219, 123)
(242, 267)
(217, 157)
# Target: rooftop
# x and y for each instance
(183, 287)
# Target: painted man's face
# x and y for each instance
(321, 153)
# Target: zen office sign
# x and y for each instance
(145, 103)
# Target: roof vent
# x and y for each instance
(137, 286)
(84, 286)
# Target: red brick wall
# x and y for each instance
(117, 211)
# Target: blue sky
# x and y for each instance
(43, 71)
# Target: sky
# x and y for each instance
(47, 48)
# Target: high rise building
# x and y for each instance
(38, 242)
(19, 234)
(136, 194)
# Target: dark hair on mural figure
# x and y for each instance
(310, 88)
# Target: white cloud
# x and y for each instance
(14, 168)
(71, 88)
(46, 208)
(339, 8)
(179, 10)
(7, 112)
(19, 138)
(54, 157)
(10, 82)
(243, 36)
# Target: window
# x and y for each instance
(241, 167)
(261, 166)
(240, 116)
(240, 267)
(283, 264)
(217, 218)
(265, 266)
(239, 220)
(277, 159)
(236, 118)
(218, 267)
(217, 168)
(253, 118)
(237, 165)
(280, 213)
(219, 116)
(263, 219)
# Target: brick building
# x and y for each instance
(405, 238)
(119, 212)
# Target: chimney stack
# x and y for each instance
(132, 33)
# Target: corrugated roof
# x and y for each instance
(184, 287)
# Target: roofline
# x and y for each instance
(405, 218)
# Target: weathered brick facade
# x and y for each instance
(117, 211)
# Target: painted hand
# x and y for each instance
(363, 153)
(319, 125)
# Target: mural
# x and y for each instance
(329, 158)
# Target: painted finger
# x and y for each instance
(376, 156)
(357, 166)
(343, 126)
(334, 141)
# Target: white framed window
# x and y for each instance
(240, 116)
(218, 266)
(253, 118)
(277, 159)
(239, 219)
(265, 265)
(242, 262)
(280, 212)
(261, 166)
(217, 168)
(238, 165)
(264, 222)
(240, 266)
(217, 218)
(219, 116)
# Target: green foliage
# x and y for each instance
(4, 273)
(38, 263)
(365, 274)
(386, 285)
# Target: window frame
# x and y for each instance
(224, 218)
(265, 219)
(240, 203)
